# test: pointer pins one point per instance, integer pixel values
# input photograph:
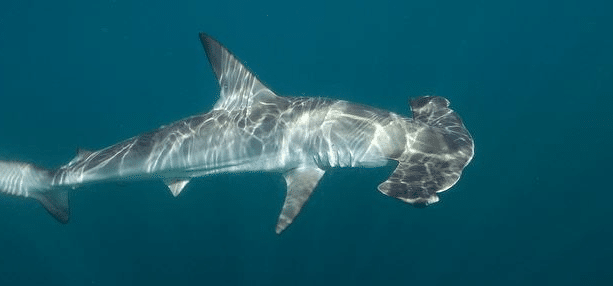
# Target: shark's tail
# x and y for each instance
(26, 180)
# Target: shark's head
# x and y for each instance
(437, 149)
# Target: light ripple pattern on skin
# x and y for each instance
(251, 128)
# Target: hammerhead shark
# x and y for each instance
(252, 129)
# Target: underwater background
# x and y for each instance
(532, 80)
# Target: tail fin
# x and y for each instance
(26, 180)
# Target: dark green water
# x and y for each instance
(533, 81)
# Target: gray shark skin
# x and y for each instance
(251, 128)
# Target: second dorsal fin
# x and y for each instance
(240, 87)
(82, 154)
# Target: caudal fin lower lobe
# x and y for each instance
(27, 180)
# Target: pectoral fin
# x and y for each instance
(176, 185)
(300, 184)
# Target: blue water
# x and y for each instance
(533, 81)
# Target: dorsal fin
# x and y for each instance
(239, 86)
(82, 154)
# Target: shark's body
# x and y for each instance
(252, 129)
